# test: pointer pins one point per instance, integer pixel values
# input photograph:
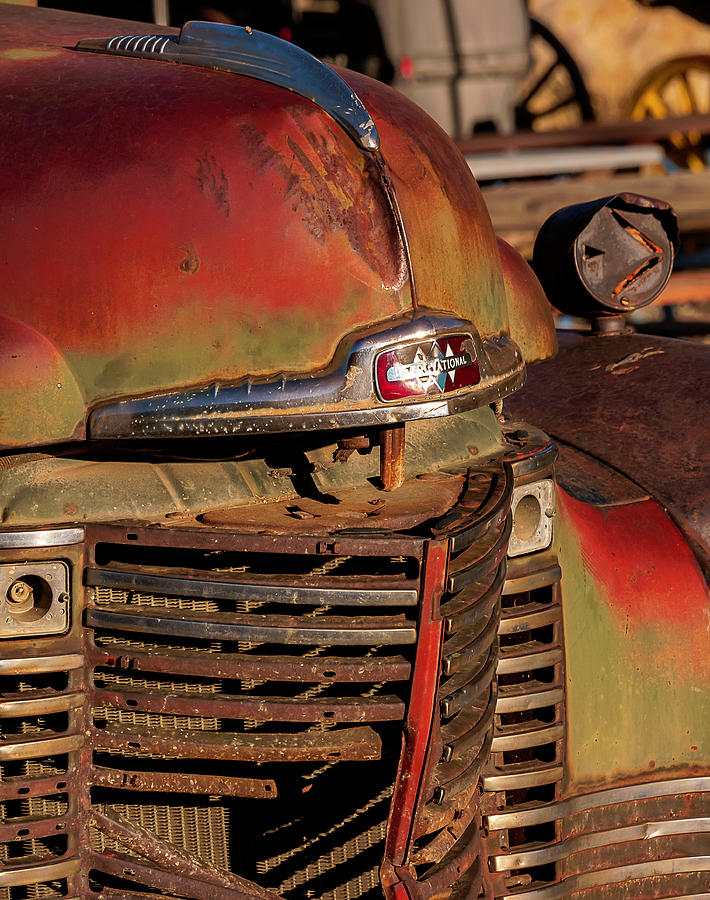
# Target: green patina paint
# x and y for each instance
(26, 53)
(632, 706)
(50, 490)
(233, 345)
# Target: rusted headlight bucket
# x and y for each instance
(34, 599)
(606, 257)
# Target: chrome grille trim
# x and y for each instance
(17, 876)
(36, 747)
(35, 664)
(549, 812)
(53, 537)
(554, 852)
(43, 705)
(616, 875)
(530, 777)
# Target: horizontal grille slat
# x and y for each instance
(536, 856)
(464, 573)
(330, 669)
(522, 775)
(532, 695)
(526, 735)
(532, 615)
(473, 654)
(283, 630)
(535, 814)
(177, 782)
(40, 745)
(358, 743)
(470, 693)
(26, 828)
(32, 873)
(528, 658)
(258, 708)
(64, 662)
(41, 703)
(380, 593)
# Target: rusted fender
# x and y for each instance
(641, 405)
(532, 324)
(637, 644)
(39, 393)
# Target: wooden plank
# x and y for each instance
(591, 134)
(518, 210)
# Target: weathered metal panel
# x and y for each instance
(646, 408)
(637, 646)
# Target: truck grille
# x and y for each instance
(39, 698)
(246, 709)
(526, 764)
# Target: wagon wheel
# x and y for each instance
(680, 87)
(554, 94)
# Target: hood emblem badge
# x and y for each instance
(436, 366)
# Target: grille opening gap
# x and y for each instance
(36, 807)
(539, 874)
(545, 675)
(541, 753)
(28, 683)
(543, 595)
(545, 715)
(44, 889)
(30, 849)
(55, 723)
(543, 635)
(252, 562)
(21, 770)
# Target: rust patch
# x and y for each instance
(336, 196)
(191, 261)
(212, 180)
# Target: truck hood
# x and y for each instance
(168, 227)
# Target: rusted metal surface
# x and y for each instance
(373, 591)
(357, 743)
(331, 669)
(392, 457)
(421, 711)
(147, 846)
(361, 507)
(260, 709)
(589, 480)
(639, 394)
(178, 782)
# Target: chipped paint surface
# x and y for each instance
(637, 643)
(27, 53)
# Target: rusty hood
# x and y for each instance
(168, 227)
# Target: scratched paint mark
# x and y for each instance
(24, 53)
(630, 363)
(190, 263)
(212, 180)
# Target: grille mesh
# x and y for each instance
(323, 832)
